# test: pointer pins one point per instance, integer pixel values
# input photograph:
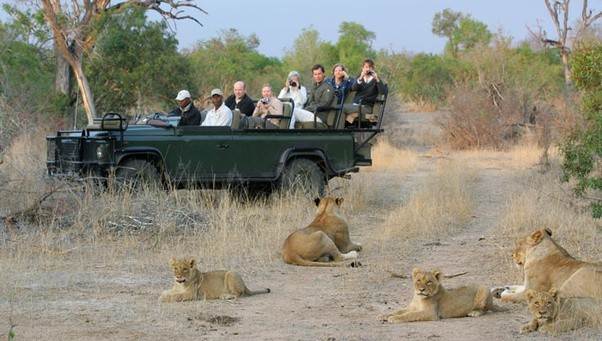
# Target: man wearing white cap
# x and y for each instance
(186, 109)
(220, 115)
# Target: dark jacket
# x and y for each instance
(341, 90)
(245, 105)
(190, 115)
(366, 93)
(321, 95)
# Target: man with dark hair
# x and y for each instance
(321, 95)
(367, 87)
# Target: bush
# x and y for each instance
(582, 148)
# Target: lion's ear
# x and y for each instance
(191, 261)
(553, 292)
(536, 237)
(437, 274)
(172, 261)
(529, 294)
(416, 271)
(339, 201)
(317, 201)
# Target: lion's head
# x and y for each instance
(426, 284)
(183, 269)
(543, 305)
(520, 251)
(329, 205)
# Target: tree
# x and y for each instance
(220, 61)
(582, 149)
(136, 64)
(444, 24)
(75, 26)
(354, 45)
(308, 49)
(559, 12)
(462, 32)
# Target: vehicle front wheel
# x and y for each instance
(304, 176)
(135, 174)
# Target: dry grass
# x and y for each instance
(435, 208)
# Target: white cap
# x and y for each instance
(216, 92)
(183, 95)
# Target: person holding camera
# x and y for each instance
(295, 91)
(341, 82)
(266, 105)
(367, 87)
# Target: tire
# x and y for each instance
(135, 175)
(303, 176)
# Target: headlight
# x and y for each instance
(101, 152)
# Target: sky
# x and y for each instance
(399, 25)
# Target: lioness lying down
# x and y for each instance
(432, 301)
(547, 265)
(553, 314)
(325, 239)
(191, 284)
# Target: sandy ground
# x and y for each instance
(116, 300)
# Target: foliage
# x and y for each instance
(354, 45)
(427, 78)
(136, 65)
(582, 150)
(462, 32)
(221, 61)
(308, 50)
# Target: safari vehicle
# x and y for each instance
(158, 151)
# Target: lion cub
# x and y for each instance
(553, 314)
(191, 284)
(325, 239)
(432, 301)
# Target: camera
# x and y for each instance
(292, 83)
(264, 101)
(370, 72)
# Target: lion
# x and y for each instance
(191, 284)
(325, 239)
(432, 301)
(554, 314)
(546, 265)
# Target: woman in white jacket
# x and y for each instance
(294, 90)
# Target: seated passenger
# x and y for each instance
(367, 87)
(267, 105)
(240, 100)
(295, 91)
(341, 82)
(190, 115)
(220, 115)
(321, 95)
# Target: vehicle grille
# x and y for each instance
(64, 155)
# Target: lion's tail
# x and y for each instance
(297, 260)
(256, 292)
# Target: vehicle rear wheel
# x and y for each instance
(135, 174)
(304, 176)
